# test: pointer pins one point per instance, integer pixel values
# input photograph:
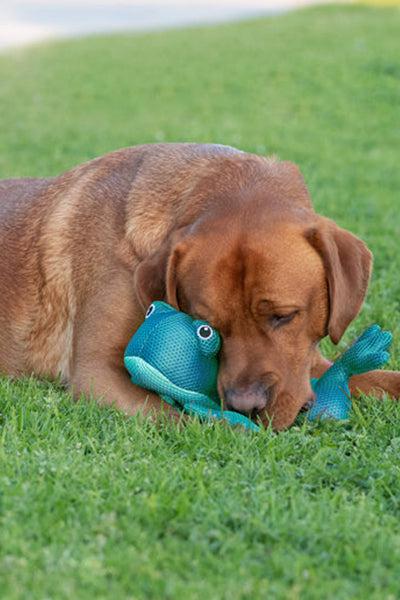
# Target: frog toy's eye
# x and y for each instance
(205, 332)
(207, 337)
(160, 309)
(149, 311)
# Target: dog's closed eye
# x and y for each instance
(278, 320)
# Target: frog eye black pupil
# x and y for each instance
(149, 310)
(205, 332)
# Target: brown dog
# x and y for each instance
(226, 236)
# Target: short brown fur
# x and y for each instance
(227, 236)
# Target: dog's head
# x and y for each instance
(273, 285)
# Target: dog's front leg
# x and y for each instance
(375, 383)
(110, 385)
(101, 332)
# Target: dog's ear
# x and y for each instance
(156, 276)
(348, 264)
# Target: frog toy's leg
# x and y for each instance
(210, 412)
(332, 390)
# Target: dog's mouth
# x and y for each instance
(267, 403)
(283, 411)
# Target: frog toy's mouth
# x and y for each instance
(195, 403)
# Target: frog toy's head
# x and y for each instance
(173, 354)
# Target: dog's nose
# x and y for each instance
(250, 399)
(308, 403)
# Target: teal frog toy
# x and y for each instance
(176, 356)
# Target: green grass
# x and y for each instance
(93, 505)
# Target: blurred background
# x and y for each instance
(26, 21)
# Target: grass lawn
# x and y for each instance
(96, 506)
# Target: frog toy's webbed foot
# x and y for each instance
(369, 351)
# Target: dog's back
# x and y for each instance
(20, 213)
(59, 237)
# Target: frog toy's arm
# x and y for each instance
(211, 410)
(370, 351)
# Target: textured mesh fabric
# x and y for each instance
(168, 341)
(149, 377)
(369, 351)
(176, 356)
